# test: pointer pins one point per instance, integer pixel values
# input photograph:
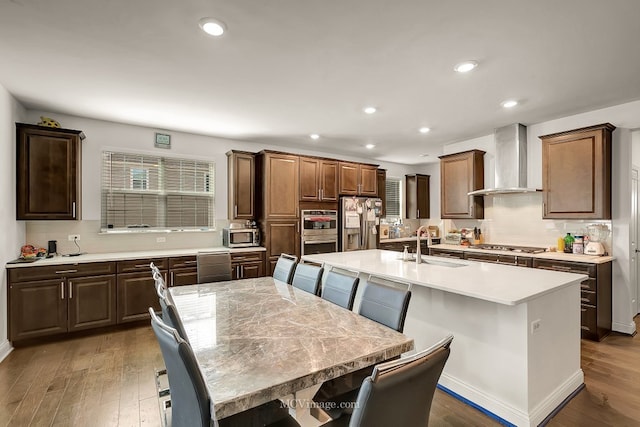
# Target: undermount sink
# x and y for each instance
(431, 261)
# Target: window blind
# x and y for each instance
(144, 192)
(393, 195)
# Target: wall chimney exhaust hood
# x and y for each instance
(511, 162)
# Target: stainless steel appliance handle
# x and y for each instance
(66, 271)
(172, 278)
(62, 290)
(311, 242)
(73, 209)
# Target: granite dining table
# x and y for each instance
(256, 340)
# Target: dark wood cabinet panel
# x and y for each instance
(281, 237)
(48, 173)
(37, 309)
(280, 178)
(349, 182)
(460, 174)
(136, 293)
(241, 184)
(182, 271)
(24, 274)
(368, 180)
(141, 265)
(444, 253)
(576, 173)
(417, 202)
(521, 261)
(318, 180)
(247, 265)
(92, 302)
(329, 180)
(382, 191)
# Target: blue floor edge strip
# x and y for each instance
(502, 420)
(476, 406)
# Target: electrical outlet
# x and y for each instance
(535, 326)
(161, 239)
(73, 237)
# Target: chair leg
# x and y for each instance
(162, 390)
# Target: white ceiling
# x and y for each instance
(288, 68)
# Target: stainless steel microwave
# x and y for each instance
(240, 237)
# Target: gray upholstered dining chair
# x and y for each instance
(400, 392)
(283, 270)
(340, 289)
(213, 266)
(307, 277)
(385, 304)
(190, 400)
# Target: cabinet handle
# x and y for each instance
(242, 270)
(235, 210)
(418, 213)
(190, 262)
(238, 272)
(73, 209)
(66, 271)
(70, 289)
(172, 278)
(165, 277)
(141, 266)
(62, 290)
(561, 267)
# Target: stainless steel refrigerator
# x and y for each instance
(359, 223)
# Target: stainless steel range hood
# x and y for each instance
(511, 162)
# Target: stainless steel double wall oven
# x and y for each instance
(319, 231)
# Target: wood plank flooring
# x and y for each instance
(108, 380)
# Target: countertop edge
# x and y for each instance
(558, 256)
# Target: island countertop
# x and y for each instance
(502, 284)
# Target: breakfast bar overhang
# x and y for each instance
(516, 352)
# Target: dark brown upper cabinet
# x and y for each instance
(382, 191)
(241, 184)
(48, 164)
(358, 179)
(576, 173)
(278, 175)
(318, 180)
(460, 174)
(417, 196)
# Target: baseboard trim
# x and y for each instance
(5, 349)
(624, 328)
(508, 415)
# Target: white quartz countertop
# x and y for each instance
(560, 256)
(405, 239)
(117, 256)
(502, 284)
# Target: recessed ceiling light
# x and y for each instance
(370, 146)
(465, 67)
(314, 136)
(424, 130)
(211, 26)
(370, 110)
(424, 155)
(510, 103)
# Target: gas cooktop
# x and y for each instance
(509, 248)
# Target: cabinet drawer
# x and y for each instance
(587, 297)
(589, 285)
(567, 266)
(182, 262)
(589, 316)
(23, 274)
(446, 254)
(134, 265)
(246, 257)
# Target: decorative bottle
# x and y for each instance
(568, 243)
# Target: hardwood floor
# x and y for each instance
(108, 380)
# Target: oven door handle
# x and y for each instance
(319, 241)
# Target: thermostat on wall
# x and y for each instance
(163, 140)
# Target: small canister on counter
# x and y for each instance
(578, 244)
(561, 244)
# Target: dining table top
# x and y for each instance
(256, 340)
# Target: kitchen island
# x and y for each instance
(516, 352)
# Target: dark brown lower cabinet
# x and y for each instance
(280, 237)
(521, 261)
(444, 253)
(62, 299)
(247, 265)
(183, 271)
(136, 293)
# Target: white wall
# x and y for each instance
(13, 232)
(103, 135)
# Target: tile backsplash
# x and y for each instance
(516, 219)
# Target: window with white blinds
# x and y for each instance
(393, 188)
(144, 192)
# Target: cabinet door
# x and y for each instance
(309, 179)
(417, 196)
(368, 180)
(241, 185)
(460, 174)
(282, 237)
(48, 173)
(382, 191)
(136, 293)
(92, 302)
(329, 180)
(37, 309)
(281, 186)
(349, 182)
(576, 173)
(252, 270)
